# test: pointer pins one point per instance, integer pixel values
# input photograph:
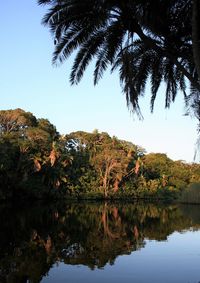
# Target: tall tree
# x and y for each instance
(142, 39)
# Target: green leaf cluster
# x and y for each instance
(37, 162)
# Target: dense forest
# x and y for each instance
(38, 162)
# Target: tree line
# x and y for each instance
(38, 162)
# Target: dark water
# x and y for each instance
(99, 242)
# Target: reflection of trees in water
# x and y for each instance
(34, 238)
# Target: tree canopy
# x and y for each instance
(37, 162)
(144, 40)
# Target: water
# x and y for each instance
(99, 242)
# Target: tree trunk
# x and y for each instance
(196, 35)
(105, 186)
(116, 186)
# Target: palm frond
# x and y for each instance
(127, 73)
(86, 52)
(107, 31)
(171, 84)
(106, 55)
(68, 44)
(156, 77)
(101, 64)
(44, 2)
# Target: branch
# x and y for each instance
(196, 34)
(151, 43)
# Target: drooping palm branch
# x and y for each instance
(143, 40)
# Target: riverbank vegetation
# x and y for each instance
(37, 162)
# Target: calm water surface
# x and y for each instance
(99, 242)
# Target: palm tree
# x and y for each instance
(142, 39)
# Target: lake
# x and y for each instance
(99, 242)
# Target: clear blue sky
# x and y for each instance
(28, 81)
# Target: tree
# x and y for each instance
(112, 159)
(82, 175)
(27, 154)
(142, 39)
(156, 165)
(54, 170)
(16, 120)
(101, 161)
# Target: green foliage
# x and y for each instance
(17, 120)
(37, 162)
(156, 165)
(26, 146)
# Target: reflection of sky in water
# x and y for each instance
(174, 261)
